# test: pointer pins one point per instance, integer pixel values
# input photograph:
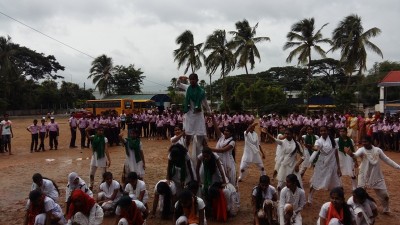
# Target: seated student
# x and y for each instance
(336, 212)
(84, 210)
(110, 192)
(364, 206)
(189, 209)
(164, 198)
(74, 183)
(41, 209)
(136, 189)
(128, 212)
(224, 201)
(264, 201)
(291, 202)
(47, 186)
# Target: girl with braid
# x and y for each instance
(134, 161)
(327, 171)
(100, 157)
(180, 168)
(348, 165)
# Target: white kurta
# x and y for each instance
(325, 172)
(278, 155)
(346, 161)
(251, 152)
(96, 161)
(227, 158)
(194, 123)
(370, 174)
(296, 199)
(288, 160)
(131, 165)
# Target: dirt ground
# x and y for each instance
(17, 171)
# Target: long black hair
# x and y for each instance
(185, 196)
(293, 178)
(164, 190)
(212, 162)
(333, 142)
(362, 194)
(38, 177)
(264, 179)
(347, 215)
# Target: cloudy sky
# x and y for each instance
(143, 32)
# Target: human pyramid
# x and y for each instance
(202, 181)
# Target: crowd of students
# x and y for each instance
(206, 186)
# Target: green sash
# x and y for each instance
(195, 94)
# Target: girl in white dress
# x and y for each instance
(370, 175)
(134, 161)
(327, 168)
(289, 164)
(252, 152)
(348, 165)
(278, 155)
(225, 148)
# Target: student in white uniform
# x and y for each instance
(364, 206)
(290, 164)
(134, 161)
(252, 152)
(75, 183)
(327, 171)
(46, 185)
(370, 174)
(348, 165)
(109, 193)
(337, 211)
(291, 202)
(164, 198)
(195, 105)
(308, 141)
(100, 157)
(264, 201)
(136, 189)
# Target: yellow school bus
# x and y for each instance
(117, 105)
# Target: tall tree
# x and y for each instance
(188, 52)
(349, 37)
(244, 42)
(101, 72)
(127, 80)
(303, 38)
(220, 56)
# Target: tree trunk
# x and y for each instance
(210, 93)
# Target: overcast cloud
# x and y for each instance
(143, 32)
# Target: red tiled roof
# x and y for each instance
(391, 79)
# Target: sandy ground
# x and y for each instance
(17, 170)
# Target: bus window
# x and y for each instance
(128, 104)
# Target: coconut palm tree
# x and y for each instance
(244, 42)
(303, 38)
(101, 72)
(349, 37)
(188, 53)
(220, 56)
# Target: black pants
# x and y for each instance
(42, 135)
(146, 129)
(35, 139)
(83, 136)
(53, 139)
(73, 137)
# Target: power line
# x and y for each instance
(48, 36)
(67, 45)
